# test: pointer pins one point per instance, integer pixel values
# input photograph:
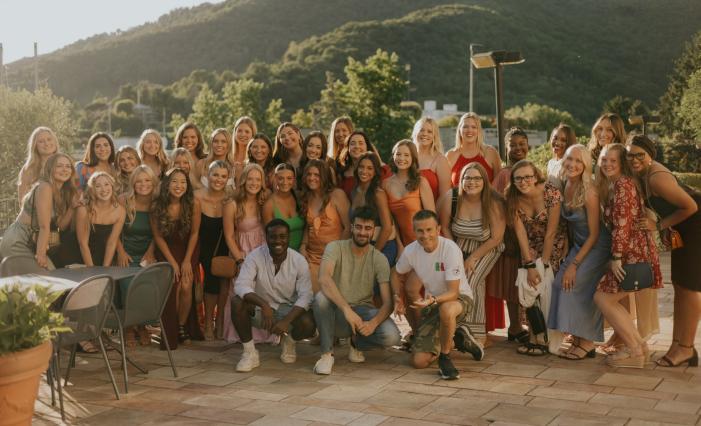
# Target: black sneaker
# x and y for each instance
(446, 368)
(465, 342)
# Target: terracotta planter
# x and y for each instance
(19, 383)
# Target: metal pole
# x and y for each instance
(498, 88)
(36, 67)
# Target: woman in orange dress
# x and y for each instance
(326, 210)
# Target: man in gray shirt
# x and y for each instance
(347, 275)
(273, 292)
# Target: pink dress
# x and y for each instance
(250, 236)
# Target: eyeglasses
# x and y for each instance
(472, 179)
(526, 178)
(640, 156)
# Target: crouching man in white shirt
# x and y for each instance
(438, 264)
(273, 292)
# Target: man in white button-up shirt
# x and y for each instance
(273, 292)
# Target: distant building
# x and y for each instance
(448, 110)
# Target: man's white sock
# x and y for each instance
(249, 346)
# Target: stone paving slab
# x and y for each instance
(503, 389)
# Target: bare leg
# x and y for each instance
(687, 313)
(514, 318)
(449, 312)
(221, 305)
(184, 301)
(620, 319)
(210, 301)
(413, 287)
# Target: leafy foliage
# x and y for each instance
(540, 117)
(26, 320)
(371, 96)
(21, 112)
(690, 106)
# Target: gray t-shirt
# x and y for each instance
(355, 276)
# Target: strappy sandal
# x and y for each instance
(692, 361)
(570, 354)
(532, 349)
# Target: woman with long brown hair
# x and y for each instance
(244, 130)
(41, 145)
(99, 157)
(175, 222)
(288, 145)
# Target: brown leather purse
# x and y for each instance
(223, 266)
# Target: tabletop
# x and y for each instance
(68, 278)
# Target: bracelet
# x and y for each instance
(529, 265)
(239, 262)
(576, 263)
(616, 257)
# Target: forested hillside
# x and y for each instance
(578, 54)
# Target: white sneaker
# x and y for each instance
(289, 350)
(354, 355)
(324, 365)
(249, 361)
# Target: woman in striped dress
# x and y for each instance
(473, 216)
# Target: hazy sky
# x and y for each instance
(56, 23)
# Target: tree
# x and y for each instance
(687, 64)
(20, 113)
(540, 117)
(371, 96)
(690, 105)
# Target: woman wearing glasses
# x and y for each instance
(533, 209)
(472, 215)
(572, 308)
(676, 206)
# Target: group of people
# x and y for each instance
(329, 240)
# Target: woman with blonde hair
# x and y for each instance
(432, 163)
(151, 151)
(99, 222)
(243, 232)
(623, 206)
(572, 308)
(99, 157)
(212, 243)
(244, 130)
(181, 158)
(46, 209)
(470, 148)
(608, 128)
(136, 247)
(41, 145)
(125, 162)
(220, 149)
(341, 128)
(472, 215)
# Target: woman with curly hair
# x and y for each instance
(175, 222)
(99, 222)
(314, 147)
(41, 145)
(326, 210)
(125, 162)
(47, 208)
(151, 151)
(561, 138)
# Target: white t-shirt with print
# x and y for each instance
(443, 264)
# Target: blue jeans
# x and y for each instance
(331, 323)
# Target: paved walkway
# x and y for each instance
(504, 388)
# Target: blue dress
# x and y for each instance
(575, 312)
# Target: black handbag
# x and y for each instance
(638, 276)
(536, 320)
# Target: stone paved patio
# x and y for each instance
(504, 388)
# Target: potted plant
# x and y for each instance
(27, 325)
